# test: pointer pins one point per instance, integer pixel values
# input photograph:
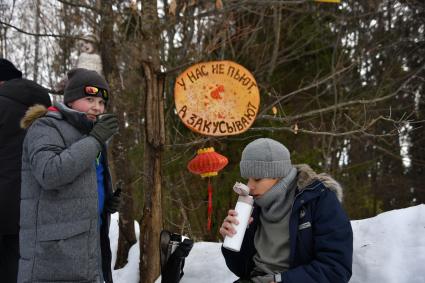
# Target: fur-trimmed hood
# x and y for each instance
(59, 111)
(32, 114)
(306, 176)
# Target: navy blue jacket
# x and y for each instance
(321, 240)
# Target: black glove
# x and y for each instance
(113, 204)
(105, 127)
(184, 248)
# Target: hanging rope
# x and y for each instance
(210, 208)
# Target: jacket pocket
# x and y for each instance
(25, 268)
(305, 243)
(62, 252)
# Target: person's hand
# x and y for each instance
(227, 228)
(105, 127)
(113, 204)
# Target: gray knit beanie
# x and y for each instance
(265, 158)
(78, 79)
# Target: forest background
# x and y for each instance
(341, 85)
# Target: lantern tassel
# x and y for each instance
(210, 191)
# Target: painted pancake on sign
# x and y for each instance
(217, 98)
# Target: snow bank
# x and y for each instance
(130, 272)
(206, 264)
(388, 248)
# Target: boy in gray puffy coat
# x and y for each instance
(66, 192)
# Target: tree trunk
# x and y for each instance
(122, 141)
(154, 141)
(151, 224)
(37, 40)
(127, 236)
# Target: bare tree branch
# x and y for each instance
(277, 18)
(80, 5)
(362, 130)
(314, 84)
(38, 34)
(339, 105)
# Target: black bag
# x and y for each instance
(173, 252)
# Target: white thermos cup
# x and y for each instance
(244, 210)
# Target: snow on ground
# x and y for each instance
(206, 264)
(388, 248)
(130, 272)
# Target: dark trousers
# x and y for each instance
(9, 258)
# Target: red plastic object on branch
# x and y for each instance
(207, 163)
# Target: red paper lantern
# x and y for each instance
(207, 163)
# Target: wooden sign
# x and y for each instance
(217, 98)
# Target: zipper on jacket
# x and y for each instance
(98, 159)
(300, 193)
(292, 207)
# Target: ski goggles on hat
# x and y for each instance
(96, 91)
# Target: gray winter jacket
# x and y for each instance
(59, 229)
